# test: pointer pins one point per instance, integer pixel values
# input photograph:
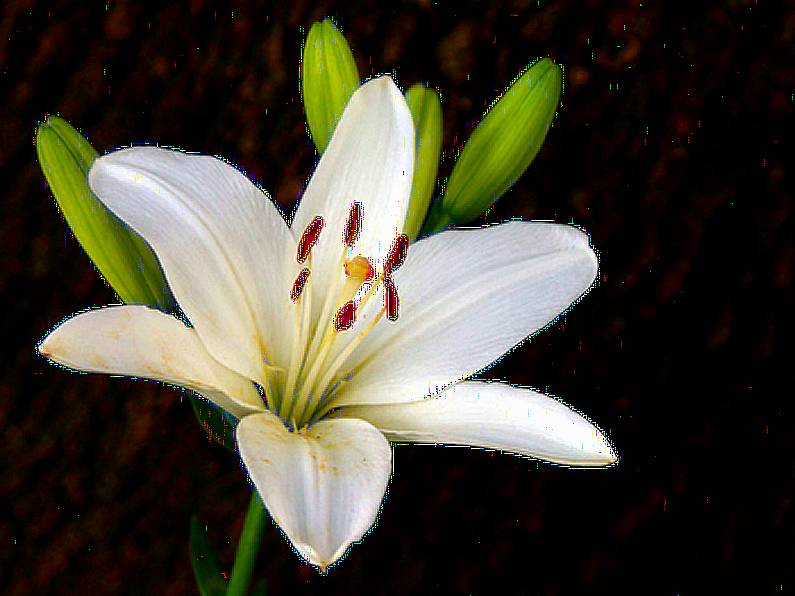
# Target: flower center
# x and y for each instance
(323, 345)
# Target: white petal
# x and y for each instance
(466, 298)
(220, 240)
(323, 486)
(369, 160)
(138, 341)
(494, 416)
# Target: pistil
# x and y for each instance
(312, 380)
(345, 301)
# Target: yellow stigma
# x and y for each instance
(359, 268)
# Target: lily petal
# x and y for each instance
(494, 416)
(466, 298)
(139, 341)
(370, 160)
(323, 486)
(222, 244)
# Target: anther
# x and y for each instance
(309, 238)
(390, 299)
(345, 317)
(354, 225)
(360, 268)
(397, 253)
(298, 284)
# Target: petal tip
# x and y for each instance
(601, 453)
(385, 87)
(314, 558)
(581, 241)
(49, 347)
(383, 83)
(612, 454)
(44, 349)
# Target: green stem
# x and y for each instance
(247, 547)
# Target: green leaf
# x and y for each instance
(206, 567)
(501, 147)
(426, 109)
(120, 256)
(328, 79)
(214, 422)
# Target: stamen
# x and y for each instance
(359, 268)
(397, 253)
(320, 351)
(309, 238)
(353, 226)
(390, 299)
(333, 369)
(345, 317)
(298, 284)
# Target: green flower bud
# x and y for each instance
(328, 79)
(426, 108)
(501, 147)
(122, 257)
(126, 261)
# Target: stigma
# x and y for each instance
(359, 268)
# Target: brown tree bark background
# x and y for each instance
(670, 149)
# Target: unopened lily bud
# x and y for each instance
(126, 261)
(328, 79)
(502, 146)
(426, 110)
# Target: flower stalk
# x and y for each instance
(247, 547)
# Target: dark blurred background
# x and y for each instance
(670, 148)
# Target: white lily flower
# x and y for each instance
(298, 331)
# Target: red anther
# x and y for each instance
(298, 284)
(345, 316)
(397, 254)
(354, 225)
(309, 238)
(390, 299)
